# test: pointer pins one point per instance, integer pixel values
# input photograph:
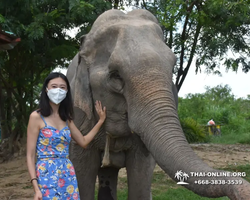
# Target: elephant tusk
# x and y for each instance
(106, 159)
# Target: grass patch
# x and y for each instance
(240, 168)
(182, 194)
(165, 188)
(232, 137)
(161, 182)
(173, 194)
(244, 138)
(122, 183)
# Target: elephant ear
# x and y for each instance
(72, 68)
(82, 95)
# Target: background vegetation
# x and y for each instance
(219, 104)
(43, 27)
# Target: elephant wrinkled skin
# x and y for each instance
(124, 62)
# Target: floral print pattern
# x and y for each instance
(55, 172)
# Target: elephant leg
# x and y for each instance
(107, 183)
(140, 167)
(86, 163)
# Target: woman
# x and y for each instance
(49, 132)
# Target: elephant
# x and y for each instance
(124, 62)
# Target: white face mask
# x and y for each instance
(56, 95)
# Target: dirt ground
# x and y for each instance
(14, 178)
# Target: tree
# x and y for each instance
(219, 104)
(208, 30)
(43, 28)
(219, 94)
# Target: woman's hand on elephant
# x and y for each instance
(100, 111)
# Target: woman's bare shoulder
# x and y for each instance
(36, 120)
(35, 115)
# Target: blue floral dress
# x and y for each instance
(55, 172)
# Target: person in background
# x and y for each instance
(211, 122)
(49, 133)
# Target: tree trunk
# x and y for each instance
(3, 119)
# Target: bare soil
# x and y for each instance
(15, 185)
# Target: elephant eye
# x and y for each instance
(115, 82)
(115, 74)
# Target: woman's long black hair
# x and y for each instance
(66, 106)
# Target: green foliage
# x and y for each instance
(43, 27)
(226, 137)
(194, 132)
(244, 139)
(2, 20)
(219, 104)
(207, 30)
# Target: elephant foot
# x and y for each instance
(107, 183)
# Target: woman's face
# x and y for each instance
(57, 83)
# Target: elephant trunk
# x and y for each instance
(158, 126)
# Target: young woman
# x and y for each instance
(49, 132)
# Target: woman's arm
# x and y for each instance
(81, 140)
(32, 135)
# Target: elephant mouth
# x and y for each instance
(115, 157)
(115, 135)
(116, 125)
